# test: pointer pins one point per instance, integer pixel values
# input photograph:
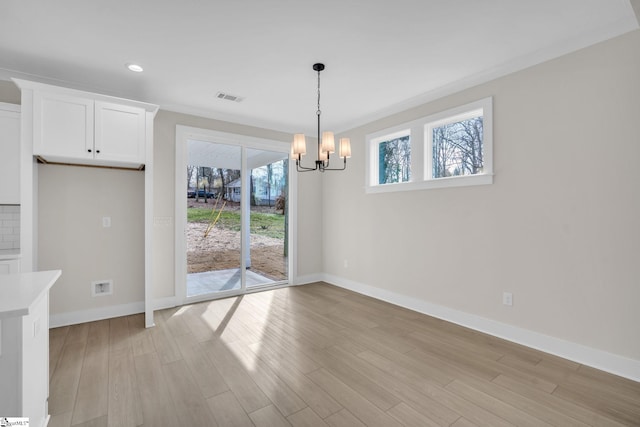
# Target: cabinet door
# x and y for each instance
(63, 126)
(119, 133)
(9, 157)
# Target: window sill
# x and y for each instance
(453, 181)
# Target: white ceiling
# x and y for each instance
(381, 56)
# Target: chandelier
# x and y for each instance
(326, 144)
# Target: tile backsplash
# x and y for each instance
(9, 227)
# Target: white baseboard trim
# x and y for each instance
(599, 359)
(93, 314)
(166, 302)
(309, 278)
(108, 312)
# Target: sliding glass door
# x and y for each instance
(236, 236)
(267, 259)
(213, 197)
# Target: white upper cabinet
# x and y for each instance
(119, 132)
(9, 154)
(71, 126)
(63, 126)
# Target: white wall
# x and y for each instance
(558, 228)
(71, 204)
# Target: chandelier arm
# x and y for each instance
(300, 168)
(337, 169)
(325, 163)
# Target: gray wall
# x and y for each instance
(558, 228)
(72, 201)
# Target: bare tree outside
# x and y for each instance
(205, 182)
(269, 180)
(223, 183)
(191, 170)
(395, 160)
(457, 148)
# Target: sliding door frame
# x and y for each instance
(183, 135)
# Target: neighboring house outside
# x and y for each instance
(233, 190)
(262, 195)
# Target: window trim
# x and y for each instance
(421, 150)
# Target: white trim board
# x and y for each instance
(599, 359)
(309, 278)
(93, 314)
(108, 312)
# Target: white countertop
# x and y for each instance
(9, 254)
(19, 292)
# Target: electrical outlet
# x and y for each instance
(106, 221)
(101, 288)
(507, 298)
(346, 263)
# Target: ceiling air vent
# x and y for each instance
(228, 97)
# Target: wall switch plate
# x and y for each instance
(507, 298)
(106, 221)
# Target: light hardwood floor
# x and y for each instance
(317, 355)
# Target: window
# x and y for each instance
(449, 149)
(456, 145)
(394, 159)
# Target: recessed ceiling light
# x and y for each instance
(135, 68)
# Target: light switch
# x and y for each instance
(106, 221)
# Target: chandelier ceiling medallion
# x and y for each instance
(326, 144)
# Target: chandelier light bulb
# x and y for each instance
(345, 148)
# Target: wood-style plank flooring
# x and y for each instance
(317, 355)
